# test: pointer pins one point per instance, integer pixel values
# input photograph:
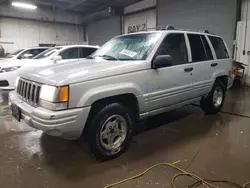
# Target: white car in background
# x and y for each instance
(26, 53)
(10, 70)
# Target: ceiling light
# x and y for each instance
(23, 5)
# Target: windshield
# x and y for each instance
(47, 53)
(128, 47)
(14, 53)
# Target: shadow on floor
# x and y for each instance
(71, 159)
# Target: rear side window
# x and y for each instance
(219, 47)
(199, 48)
(84, 52)
(207, 48)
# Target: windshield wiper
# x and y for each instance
(108, 56)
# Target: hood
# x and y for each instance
(10, 63)
(83, 70)
(5, 60)
(23, 63)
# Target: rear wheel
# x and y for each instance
(213, 103)
(110, 132)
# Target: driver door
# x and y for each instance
(170, 86)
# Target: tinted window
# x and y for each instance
(219, 47)
(30, 53)
(35, 52)
(197, 48)
(47, 53)
(207, 48)
(71, 53)
(174, 45)
(84, 52)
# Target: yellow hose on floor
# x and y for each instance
(246, 184)
(183, 172)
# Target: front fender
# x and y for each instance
(102, 92)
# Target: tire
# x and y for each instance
(103, 130)
(209, 104)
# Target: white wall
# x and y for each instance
(18, 33)
(242, 39)
(41, 14)
(140, 6)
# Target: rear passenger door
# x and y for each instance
(224, 65)
(203, 64)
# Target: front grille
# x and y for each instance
(29, 90)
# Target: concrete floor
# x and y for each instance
(213, 147)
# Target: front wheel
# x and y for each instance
(213, 103)
(110, 131)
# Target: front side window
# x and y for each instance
(71, 53)
(84, 51)
(175, 46)
(219, 47)
(129, 47)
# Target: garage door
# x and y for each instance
(140, 21)
(216, 16)
(102, 31)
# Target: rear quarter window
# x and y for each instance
(219, 47)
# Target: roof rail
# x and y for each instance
(170, 27)
(154, 28)
(206, 31)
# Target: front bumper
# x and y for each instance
(10, 77)
(68, 124)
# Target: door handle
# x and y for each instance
(188, 69)
(214, 64)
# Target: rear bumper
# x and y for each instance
(230, 82)
(68, 124)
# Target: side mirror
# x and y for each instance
(57, 58)
(162, 61)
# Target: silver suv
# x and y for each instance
(130, 78)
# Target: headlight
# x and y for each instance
(48, 93)
(54, 98)
(9, 69)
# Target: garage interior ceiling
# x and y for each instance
(84, 7)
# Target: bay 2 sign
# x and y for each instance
(136, 28)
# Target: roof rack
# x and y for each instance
(170, 27)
